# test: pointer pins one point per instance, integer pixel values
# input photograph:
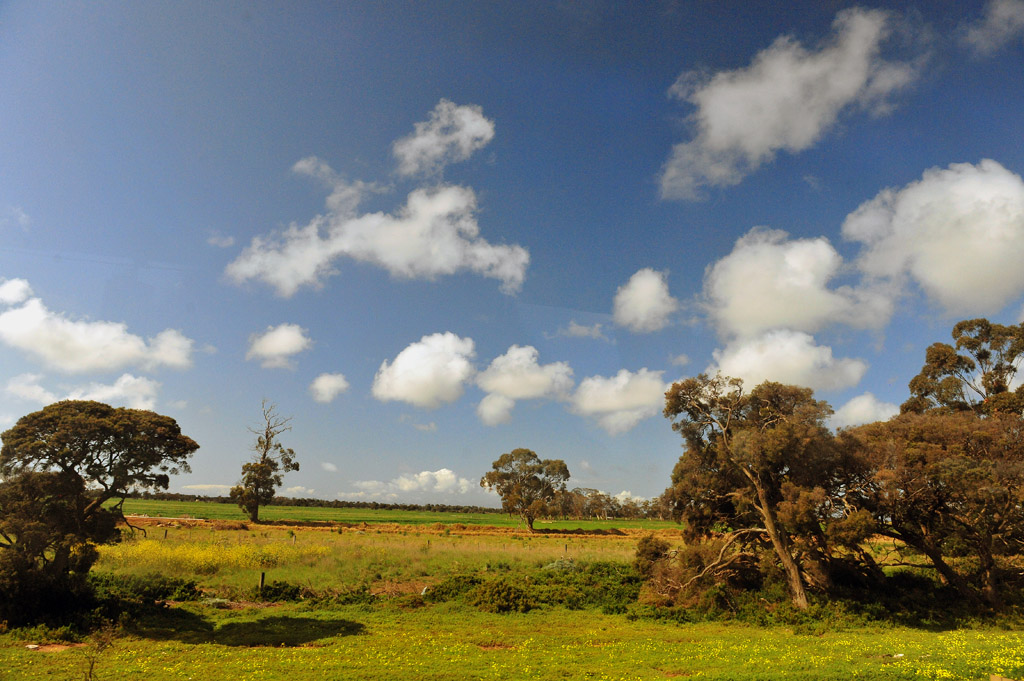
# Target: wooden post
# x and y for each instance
(263, 579)
(165, 534)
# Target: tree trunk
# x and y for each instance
(780, 542)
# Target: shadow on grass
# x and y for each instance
(275, 630)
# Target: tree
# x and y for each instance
(108, 451)
(762, 464)
(60, 465)
(263, 475)
(526, 483)
(975, 375)
(950, 483)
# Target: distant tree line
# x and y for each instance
(766, 490)
(319, 503)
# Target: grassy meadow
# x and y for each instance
(390, 631)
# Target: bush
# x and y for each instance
(278, 591)
(451, 588)
(145, 589)
(500, 595)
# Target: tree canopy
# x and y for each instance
(109, 450)
(59, 466)
(526, 483)
(975, 374)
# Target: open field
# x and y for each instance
(396, 634)
(218, 511)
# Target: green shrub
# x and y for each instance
(451, 588)
(500, 595)
(146, 589)
(278, 591)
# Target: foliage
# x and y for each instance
(49, 521)
(106, 449)
(500, 595)
(947, 483)
(764, 465)
(974, 375)
(148, 589)
(264, 474)
(526, 483)
(277, 591)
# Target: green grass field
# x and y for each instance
(217, 511)
(399, 636)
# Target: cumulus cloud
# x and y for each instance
(958, 232)
(134, 392)
(626, 495)
(787, 356)
(14, 291)
(299, 489)
(620, 402)
(786, 99)
(428, 373)
(326, 387)
(864, 408)
(1003, 22)
(451, 134)
(275, 347)
(643, 304)
(771, 281)
(434, 234)
(82, 346)
(443, 481)
(329, 467)
(517, 375)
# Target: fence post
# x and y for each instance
(263, 579)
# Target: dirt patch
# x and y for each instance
(493, 646)
(56, 647)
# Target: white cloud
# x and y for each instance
(220, 241)
(643, 304)
(1003, 22)
(495, 409)
(574, 330)
(620, 402)
(452, 134)
(864, 408)
(135, 392)
(443, 481)
(786, 99)
(326, 387)
(427, 373)
(680, 360)
(83, 346)
(517, 375)
(14, 291)
(329, 467)
(789, 357)
(958, 232)
(27, 387)
(434, 234)
(300, 490)
(275, 346)
(625, 495)
(218, 489)
(770, 281)
(426, 427)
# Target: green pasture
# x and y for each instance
(454, 642)
(217, 511)
(399, 635)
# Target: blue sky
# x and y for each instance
(435, 232)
